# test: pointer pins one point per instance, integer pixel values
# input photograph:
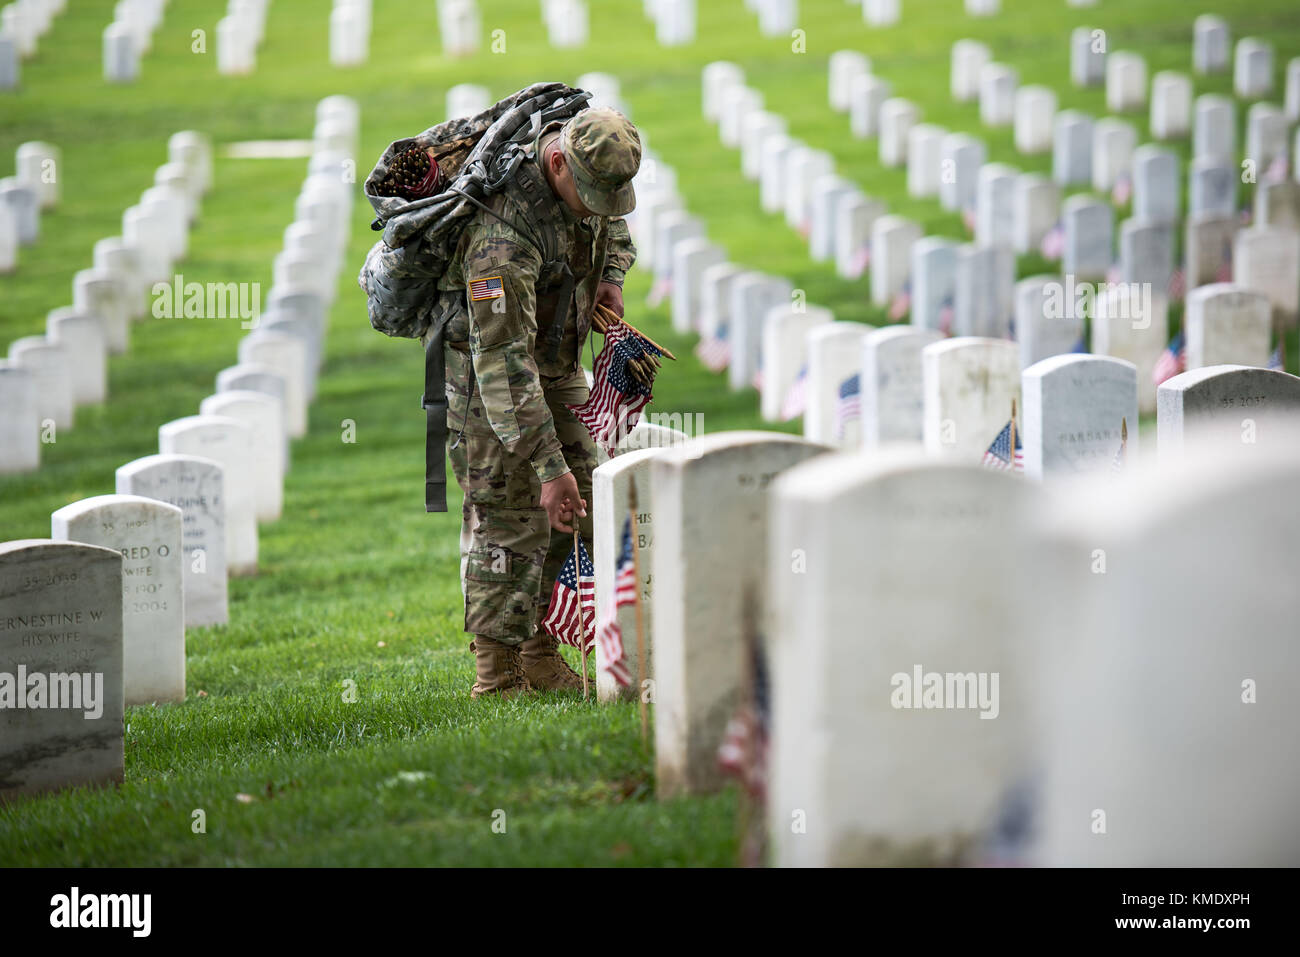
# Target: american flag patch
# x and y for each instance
(489, 288)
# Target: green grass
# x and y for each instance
(357, 582)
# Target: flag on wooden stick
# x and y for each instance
(609, 633)
(574, 595)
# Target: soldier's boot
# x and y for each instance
(545, 666)
(500, 669)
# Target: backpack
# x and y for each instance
(478, 156)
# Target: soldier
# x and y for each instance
(520, 290)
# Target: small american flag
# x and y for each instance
(1122, 191)
(849, 406)
(576, 585)
(860, 261)
(757, 381)
(609, 634)
(1277, 170)
(1120, 460)
(1080, 346)
(616, 400)
(1277, 361)
(1053, 244)
(715, 351)
(487, 288)
(1172, 361)
(999, 454)
(660, 290)
(1246, 214)
(743, 752)
(902, 303)
(946, 314)
(968, 219)
(1177, 285)
(796, 400)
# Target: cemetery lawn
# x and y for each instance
(357, 583)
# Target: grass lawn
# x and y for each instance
(357, 582)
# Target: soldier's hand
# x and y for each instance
(610, 295)
(558, 498)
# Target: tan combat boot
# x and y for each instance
(545, 666)
(500, 670)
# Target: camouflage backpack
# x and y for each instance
(476, 156)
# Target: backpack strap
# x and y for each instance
(435, 424)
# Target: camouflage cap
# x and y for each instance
(604, 152)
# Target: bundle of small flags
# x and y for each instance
(617, 396)
(796, 399)
(1172, 361)
(574, 592)
(714, 352)
(849, 405)
(999, 456)
(609, 634)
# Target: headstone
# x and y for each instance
(867, 95)
(998, 84)
(147, 533)
(752, 295)
(227, 442)
(1214, 133)
(39, 167)
(20, 426)
(892, 394)
(891, 254)
(121, 57)
(1292, 94)
(995, 204)
(1212, 188)
(610, 482)
(934, 283)
(802, 168)
(1266, 137)
(1072, 148)
(1075, 410)
(785, 352)
(1146, 253)
(1047, 322)
(1155, 184)
(1209, 243)
(10, 63)
(61, 604)
(897, 117)
(843, 718)
(1267, 259)
(8, 239)
(256, 377)
(690, 258)
(82, 339)
(737, 102)
(715, 78)
(647, 434)
(349, 41)
(288, 356)
(1192, 686)
(715, 299)
(1227, 410)
(1226, 324)
(1210, 40)
(834, 356)
(122, 260)
(1278, 204)
(96, 293)
(1035, 107)
(51, 367)
(845, 65)
(670, 229)
(1252, 68)
(967, 59)
(924, 159)
(24, 206)
(1087, 57)
(1126, 82)
(828, 193)
(1036, 209)
(1089, 244)
(1128, 323)
(962, 156)
(756, 127)
(265, 420)
(983, 291)
(855, 221)
(969, 384)
(1171, 105)
(194, 485)
(710, 502)
(881, 13)
(675, 23)
(1113, 143)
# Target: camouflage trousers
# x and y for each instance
(510, 555)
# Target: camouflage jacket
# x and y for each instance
(500, 291)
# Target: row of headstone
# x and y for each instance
(461, 25)
(129, 37)
(350, 22)
(674, 21)
(22, 24)
(33, 189)
(46, 378)
(239, 36)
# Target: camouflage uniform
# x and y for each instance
(507, 392)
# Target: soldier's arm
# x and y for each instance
(620, 253)
(500, 276)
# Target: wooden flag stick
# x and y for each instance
(582, 618)
(609, 316)
(640, 615)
